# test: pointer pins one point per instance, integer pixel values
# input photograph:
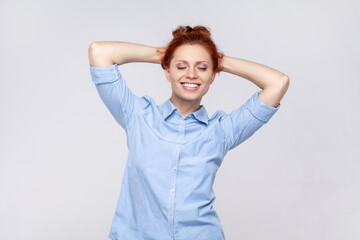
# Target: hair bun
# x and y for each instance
(181, 30)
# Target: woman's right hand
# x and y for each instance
(161, 52)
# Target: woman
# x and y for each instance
(175, 149)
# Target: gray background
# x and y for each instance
(63, 155)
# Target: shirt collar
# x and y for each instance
(168, 107)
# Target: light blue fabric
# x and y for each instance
(167, 187)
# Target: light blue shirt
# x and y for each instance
(167, 187)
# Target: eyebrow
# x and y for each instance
(195, 62)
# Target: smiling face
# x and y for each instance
(191, 64)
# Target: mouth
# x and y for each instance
(190, 86)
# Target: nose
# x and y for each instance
(191, 73)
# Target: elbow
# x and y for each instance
(93, 49)
(281, 83)
(95, 54)
(284, 82)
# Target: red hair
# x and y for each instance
(187, 35)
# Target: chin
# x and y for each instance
(194, 98)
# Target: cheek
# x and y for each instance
(176, 75)
(207, 78)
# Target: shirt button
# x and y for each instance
(181, 136)
(172, 190)
(170, 213)
(174, 168)
(178, 146)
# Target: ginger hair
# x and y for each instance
(187, 35)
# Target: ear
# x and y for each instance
(167, 74)
(213, 77)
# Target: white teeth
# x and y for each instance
(190, 85)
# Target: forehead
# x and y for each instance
(191, 54)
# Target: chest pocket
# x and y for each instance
(208, 144)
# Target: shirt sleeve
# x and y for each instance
(244, 121)
(115, 94)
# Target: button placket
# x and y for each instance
(173, 184)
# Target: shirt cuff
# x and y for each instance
(261, 110)
(106, 74)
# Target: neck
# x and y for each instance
(185, 107)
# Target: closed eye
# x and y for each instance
(203, 69)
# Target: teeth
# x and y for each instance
(190, 85)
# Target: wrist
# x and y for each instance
(159, 53)
(222, 63)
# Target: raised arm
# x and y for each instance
(111, 85)
(102, 54)
(273, 82)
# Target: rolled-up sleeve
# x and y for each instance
(244, 121)
(115, 94)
